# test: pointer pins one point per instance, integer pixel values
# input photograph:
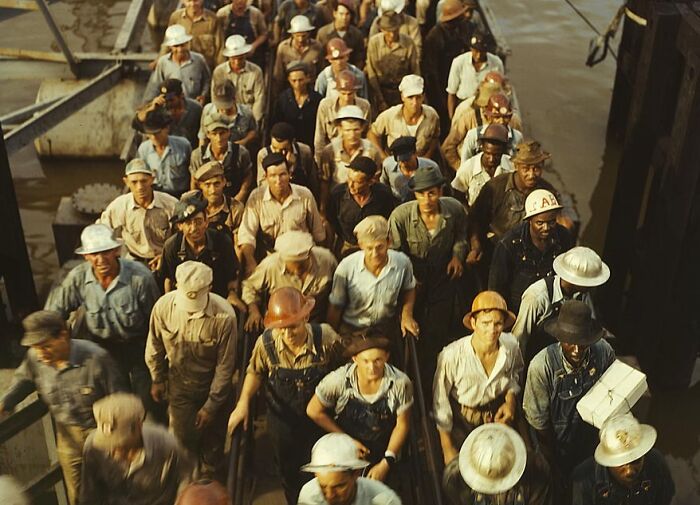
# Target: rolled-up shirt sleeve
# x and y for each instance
(339, 292)
(330, 389)
(404, 395)
(442, 385)
(250, 224)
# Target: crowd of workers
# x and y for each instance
(397, 198)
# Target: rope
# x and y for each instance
(602, 41)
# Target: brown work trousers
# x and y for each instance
(69, 446)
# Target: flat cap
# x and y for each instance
(214, 120)
(208, 170)
(40, 326)
(191, 204)
(294, 245)
(137, 166)
(193, 282)
(295, 65)
(372, 228)
(119, 418)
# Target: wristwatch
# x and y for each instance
(390, 458)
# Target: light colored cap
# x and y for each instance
(208, 170)
(492, 458)
(391, 5)
(294, 245)
(350, 112)
(176, 35)
(193, 283)
(97, 238)
(300, 24)
(334, 452)
(11, 493)
(119, 418)
(581, 266)
(40, 326)
(236, 45)
(411, 85)
(372, 228)
(539, 201)
(623, 440)
(213, 120)
(137, 166)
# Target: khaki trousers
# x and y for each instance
(69, 446)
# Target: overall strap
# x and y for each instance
(549, 282)
(270, 347)
(317, 334)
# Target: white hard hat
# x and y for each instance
(97, 238)
(411, 85)
(581, 266)
(236, 45)
(492, 458)
(334, 452)
(623, 440)
(300, 23)
(176, 35)
(390, 5)
(350, 112)
(539, 201)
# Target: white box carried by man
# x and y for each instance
(617, 390)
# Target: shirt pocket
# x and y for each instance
(205, 44)
(129, 314)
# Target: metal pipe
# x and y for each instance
(58, 36)
(25, 5)
(66, 106)
(22, 114)
(130, 33)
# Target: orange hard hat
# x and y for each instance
(204, 493)
(499, 105)
(337, 48)
(489, 300)
(495, 133)
(346, 81)
(287, 307)
(495, 76)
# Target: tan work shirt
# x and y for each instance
(266, 216)
(257, 18)
(200, 348)
(409, 27)
(207, 37)
(392, 125)
(286, 53)
(143, 230)
(386, 66)
(326, 129)
(250, 87)
(335, 159)
(271, 274)
(260, 364)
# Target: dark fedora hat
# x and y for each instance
(575, 324)
(426, 177)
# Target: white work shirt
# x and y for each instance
(536, 306)
(333, 391)
(461, 376)
(464, 80)
(369, 492)
(471, 176)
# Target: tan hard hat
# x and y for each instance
(489, 300)
(287, 307)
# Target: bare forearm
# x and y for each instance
(400, 432)
(334, 316)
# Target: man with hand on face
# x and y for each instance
(337, 54)
(191, 357)
(197, 242)
(141, 217)
(525, 254)
(275, 208)
(373, 287)
(558, 377)
(399, 168)
(625, 468)
(432, 232)
(113, 298)
(296, 262)
(338, 469)
(368, 399)
(478, 377)
(69, 376)
(289, 360)
(491, 162)
(127, 462)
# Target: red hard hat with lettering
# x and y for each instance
(287, 307)
(499, 105)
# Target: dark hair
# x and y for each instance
(274, 159)
(365, 165)
(282, 131)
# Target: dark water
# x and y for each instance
(564, 105)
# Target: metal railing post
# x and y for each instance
(58, 36)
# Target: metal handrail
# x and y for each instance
(411, 358)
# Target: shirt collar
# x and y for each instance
(309, 347)
(267, 196)
(155, 203)
(122, 277)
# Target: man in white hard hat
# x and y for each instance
(113, 298)
(337, 469)
(296, 262)
(183, 64)
(69, 375)
(191, 356)
(127, 462)
(493, 468)
(576, 273)
(203, 26)
(625, 468)
(526, 253)
(141, 217)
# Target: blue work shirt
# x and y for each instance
(325, 82)
(118, 313)
(172, 169)
(397, 181)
